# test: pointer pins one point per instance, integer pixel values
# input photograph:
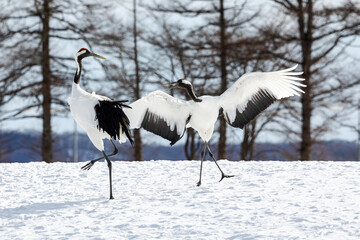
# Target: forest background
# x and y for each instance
(209, 42)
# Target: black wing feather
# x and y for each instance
(157, 125)
(111, 118)
(258, 103)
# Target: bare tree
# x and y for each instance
(211, 40)
(137, 137)
(128, 72)
(176, 62)
(36, 69)
(315, 34)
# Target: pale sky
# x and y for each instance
(66, 124)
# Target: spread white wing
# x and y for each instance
(254, 92)
(160, 114)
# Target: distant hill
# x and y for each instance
(25, 147)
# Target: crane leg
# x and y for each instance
(110, 174)
(203, 153)
(92, 162)
(212, 156)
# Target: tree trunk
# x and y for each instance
(305, 28)
(1, 146)
(248, 143)
(46, 140)
(245, 144)
(189, 146)
(138, 153)
(137, 137)
(222, 127)
(252, 139)
(306, 142)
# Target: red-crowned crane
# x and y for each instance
(101, 117)
(252, 93)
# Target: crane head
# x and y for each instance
(83, 53)
(183, 83)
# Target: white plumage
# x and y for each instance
(101, 117)
(168, 117)
(279, 84)
(172, 110)
(203, 115)
(82, 105)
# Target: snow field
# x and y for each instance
(160, 200)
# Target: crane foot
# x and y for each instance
(88, 165)
(225, 176)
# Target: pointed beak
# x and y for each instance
(97, 56)
(171, 85)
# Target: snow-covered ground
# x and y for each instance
(160, 200)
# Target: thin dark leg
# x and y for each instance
(203, 154)
(92, 162)
(222, 173)
(110, 175)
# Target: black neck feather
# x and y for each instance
(78, 72)
(190, 91)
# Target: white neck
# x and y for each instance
(76, 90)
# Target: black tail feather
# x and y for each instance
(111, 118)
